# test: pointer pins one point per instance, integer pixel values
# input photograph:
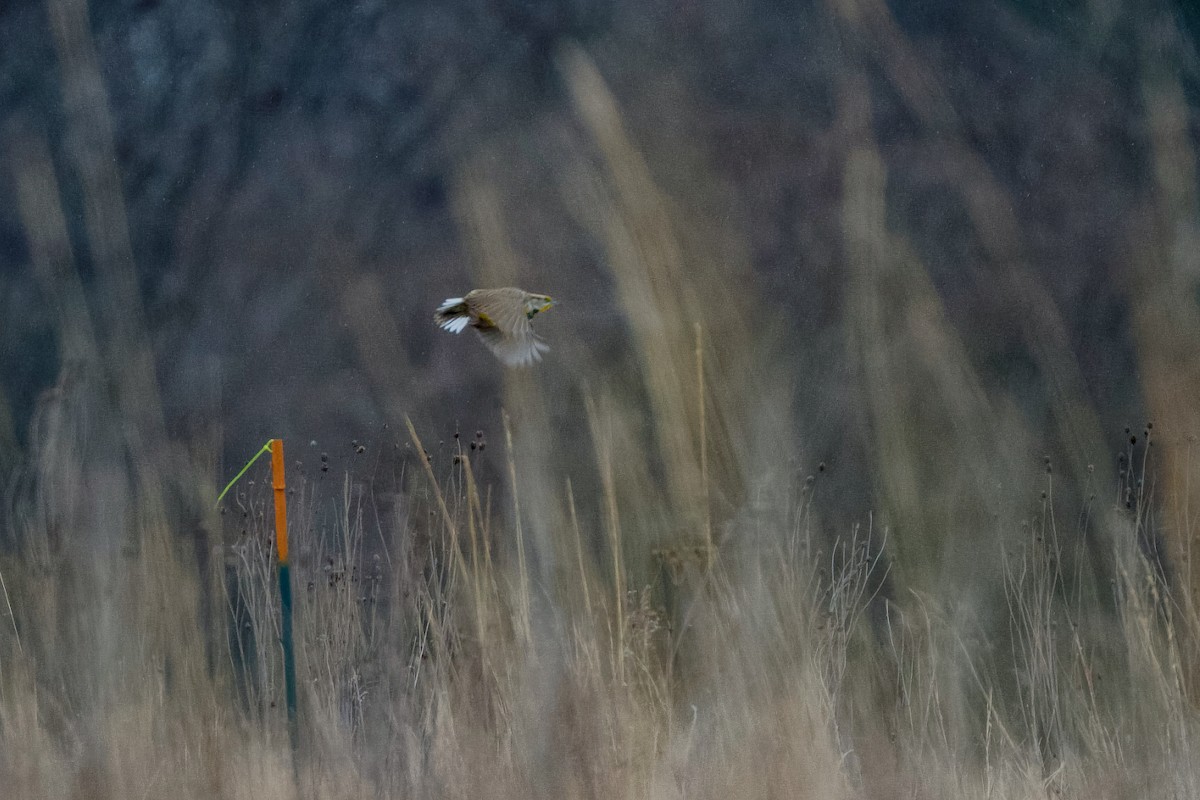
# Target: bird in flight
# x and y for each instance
(502, 318)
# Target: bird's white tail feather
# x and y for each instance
(456, 324)
(452, 315)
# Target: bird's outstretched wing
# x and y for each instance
(518, 348)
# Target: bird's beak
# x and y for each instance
(549, 302)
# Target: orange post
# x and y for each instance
(281, 537)
(285, 590)
(285, 578)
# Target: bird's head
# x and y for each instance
(537, 303)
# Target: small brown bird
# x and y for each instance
(501, 317)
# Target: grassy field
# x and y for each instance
(445, 649)
(640, 577)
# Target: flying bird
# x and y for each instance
(502, 318)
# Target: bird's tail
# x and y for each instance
(452, 315)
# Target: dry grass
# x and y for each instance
(432, 665)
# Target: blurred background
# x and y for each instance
(920, 232)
